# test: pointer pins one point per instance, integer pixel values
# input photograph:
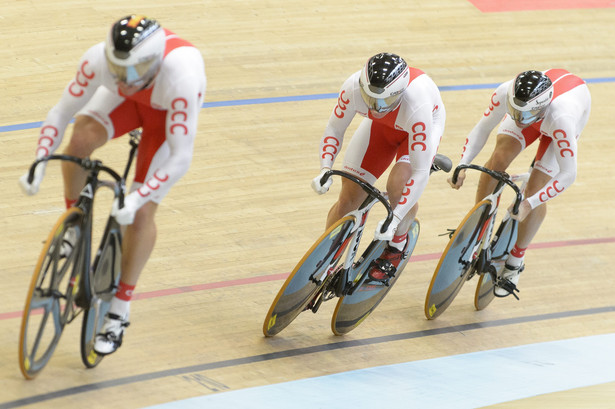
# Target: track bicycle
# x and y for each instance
(474, 248)
(321, 275)
(64, 285)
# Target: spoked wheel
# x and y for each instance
(500, 248)
(456, 262)
(308, 277)
(354, 308)
(49, 303)
(107, 267)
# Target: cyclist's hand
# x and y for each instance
(125, 215)
(524, 209)
(318, 188)
(32, 188)
(389, 233)
(460, 178)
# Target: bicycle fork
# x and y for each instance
(335, 278)
(480, 256)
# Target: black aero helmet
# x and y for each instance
(529, 96)
(134, 49)
(383, 79)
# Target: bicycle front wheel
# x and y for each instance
(49, 303)
(353, 309)
(456, 261)
(102, 284)
(308, 277)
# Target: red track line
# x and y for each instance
(282, 276)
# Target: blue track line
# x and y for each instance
(298, 98)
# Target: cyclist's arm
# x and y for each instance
(340, 119)
(421, 156)
(492, 116)
(76, 94)
(185, 98)
(564, 136)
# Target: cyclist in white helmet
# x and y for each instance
(551, 106)
(142, 76)
(403, 122)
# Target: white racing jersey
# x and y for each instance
(563, 123)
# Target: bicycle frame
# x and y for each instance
(88, 287)
(481, 253)
(346, 284)
(86, 202)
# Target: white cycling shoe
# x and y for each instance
(68, 242)
(109, 339)
(508, 280)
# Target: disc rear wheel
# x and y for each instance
(353, 309)
(506, 238)
(105, 278)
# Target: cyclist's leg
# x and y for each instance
(140, 236)
(400, 174)
(531, 224)
(507, 148)
(367, 157)
(88, 135)
(398, 177)
(545, 165)
(350, 198)
(105, 116)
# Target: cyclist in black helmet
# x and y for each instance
(142, 76)
(403, 122)
(551, 106)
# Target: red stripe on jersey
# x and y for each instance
(415, 73)
(390, 118)
(142, 97)
(563, 81)
(173, 42)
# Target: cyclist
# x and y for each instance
(403, 121)
(551, 106)
(142, 76)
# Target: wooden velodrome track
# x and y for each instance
(237, 223)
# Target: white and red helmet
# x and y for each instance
(529, 96)
(134, 50)
(383, 79)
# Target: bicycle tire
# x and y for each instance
(299, 289)
(351, 310)
(451, 273)
(102, 285)
(485, 289)
(53, 285)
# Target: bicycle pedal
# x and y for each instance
(508, 286)
(385, 267)
(449, 233)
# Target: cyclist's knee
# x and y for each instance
(88, 134)
(345, 205)
(144, 222)
(506, 149)
(500, 160)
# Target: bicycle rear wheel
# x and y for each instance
(308, 277)
(101, 284)
(456, 261)
(353, 309)
(49, 303)
(506, 238)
